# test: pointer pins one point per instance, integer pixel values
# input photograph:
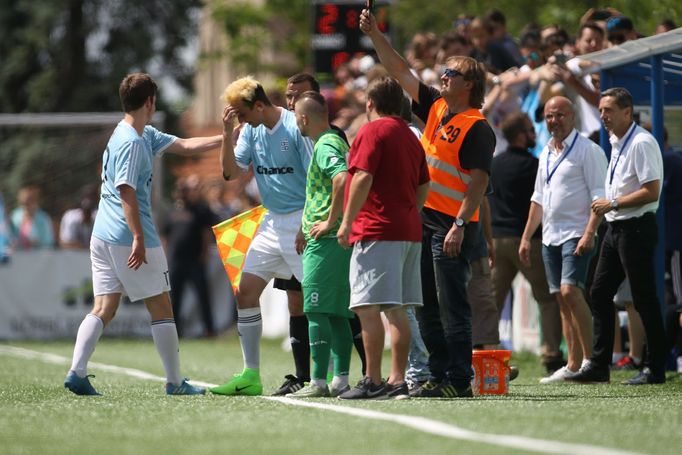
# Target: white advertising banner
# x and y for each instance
(45, 294)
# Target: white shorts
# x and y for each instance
(111, 275)
(272, 253)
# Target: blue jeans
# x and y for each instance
(564, 267)
(418, 357)
(446, 314)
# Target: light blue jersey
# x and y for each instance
(280, 158)
(128, 160)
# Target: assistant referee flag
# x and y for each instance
(233, 237)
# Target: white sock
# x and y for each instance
(321, 383)
(250, 328)
(616, 356)
(637, 360)
(584, 363)
(339, 382)
(165, 336)
(88, 334)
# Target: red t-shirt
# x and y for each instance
(389, 150)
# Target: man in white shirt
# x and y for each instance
(633, 187)
(590, 38)
(570, 176)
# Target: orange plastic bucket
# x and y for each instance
(491, 372)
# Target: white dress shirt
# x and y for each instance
(576, 178)
(632, 165)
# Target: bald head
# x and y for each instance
(311, 112)
(560, 117)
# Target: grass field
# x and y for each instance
(38, 416)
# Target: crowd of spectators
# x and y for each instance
(524, 72)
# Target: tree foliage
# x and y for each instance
(268, 38)
(70, 56)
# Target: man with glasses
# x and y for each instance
(570, 176)
(459, 146)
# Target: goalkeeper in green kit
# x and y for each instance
(326, 289)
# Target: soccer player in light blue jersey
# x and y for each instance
(270, 142)
(126, 254)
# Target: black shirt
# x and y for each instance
(184, 228)
(513, 183)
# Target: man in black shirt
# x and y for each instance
(512, 180)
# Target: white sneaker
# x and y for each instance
(559, 375)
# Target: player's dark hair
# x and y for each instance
(305, 77)
(135, 89)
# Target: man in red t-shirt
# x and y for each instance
(388, 187)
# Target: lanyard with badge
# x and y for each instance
(562, 158)
(620, 152)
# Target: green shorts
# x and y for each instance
(325, 278)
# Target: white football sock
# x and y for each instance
(88, 334)
(250, 328)
(339, 382)
(165, 336)
(321, 383)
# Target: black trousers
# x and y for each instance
(628, 249)
(180, 273)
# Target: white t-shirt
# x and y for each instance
(73, 229)
(632, 165)
(587, 113)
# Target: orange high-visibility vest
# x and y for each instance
(449, 181)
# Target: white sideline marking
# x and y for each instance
(418, 423)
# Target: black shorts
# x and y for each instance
(292, 284)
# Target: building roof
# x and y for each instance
(630, 65)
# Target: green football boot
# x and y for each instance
(247, 383)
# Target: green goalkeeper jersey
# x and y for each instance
(329, 158)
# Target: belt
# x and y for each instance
(648, 217)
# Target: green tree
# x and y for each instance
(70, 56)
(280, 26)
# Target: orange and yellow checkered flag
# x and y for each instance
(233, 237)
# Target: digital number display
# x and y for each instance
(336, 32)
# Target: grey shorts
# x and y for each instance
(385, 273)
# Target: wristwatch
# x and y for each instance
(614, 204)
(459, 222)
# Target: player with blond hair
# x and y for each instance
(271, 142)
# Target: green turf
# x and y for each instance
(134, 416)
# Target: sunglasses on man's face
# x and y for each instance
(450, 73)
